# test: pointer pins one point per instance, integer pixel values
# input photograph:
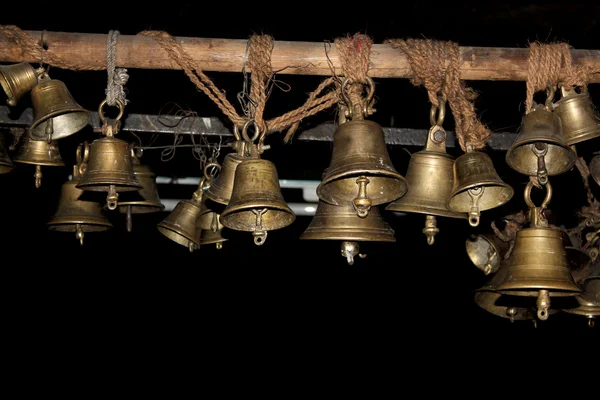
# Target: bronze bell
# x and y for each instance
(580, 121)
(39, 153)
(486, 251)
(477, 186)
(361, 172)
(341, 223)
(6, 164)
(429, 177)
(256, 203)
(595, 168)
(222, 187)
(73, 213)
(538, 263)
(589, 300)
(55, 113)
(147, 200)
(181, 225)
(540, 148)
(16, 80)
(110, 169)
(211, 229)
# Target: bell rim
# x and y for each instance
(574, 138)
(226, 222)
(56, 221)
(510, 153)
(162, 226)
(103, 187)
(10, 93)
(270, 204)
(336, 200)
(504, 185)
(58, 113)
(142, 205)
(587, 311)
(523, 314)
(532, 290)
(216, 199)
(433, 211)
(213, 241)
(40, 163)
(337, 235)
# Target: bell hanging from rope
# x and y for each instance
(477, 186)
(222, 187)
(211, 229)
(486, 251)
(589, 299)
(580, 121)
(146, 199)
(17, 80)
(595, 168)
(540, 148)
(361, 173)
(341, 223)
(110, 168)
(6, 164)
(55, 113)
(39, 153)
(75, 214)
(430, 177)
(538, 263)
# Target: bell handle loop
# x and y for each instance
(202, 186)
(439, 111)
(215, 166)
(527, 195)
(115, 126)
(349, 106)
(550, 92)
(236, 133)
(245, 131)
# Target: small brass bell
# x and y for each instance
(341, 223)
(430, 177)
(477, 186)
(256, 203)
(17, 80)
(595, 169)
(39, 153)
(486, 251)
(6, 164)
(580, 121)
(538, 263)
(55, 113)
(540, 148)
(73, 213)
(222, 187)
(589, 300)
(147, 200)
(211, 229)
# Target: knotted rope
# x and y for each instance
(117, 77)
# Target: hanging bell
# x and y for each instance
(16, 80)
(6, 164)
(486, 251)
(538, 263)
(211, 229)
(39, 153)
(55, 113)
(589, 300)
(341, 223)
(181, 225)
(222, 187)
(146, 199)
(477, 186)
(540, 148)
(595, 168)
(580, 121)
(256, 203)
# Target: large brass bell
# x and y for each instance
(486, 251)
(6, 164)
(341, 223)
(110, 168)
(429, 177)
(361, 173)
(211, 229)
(538, 263)
(595, 168)
(39, 153)
(589, 300)
(477, 186)
(580, 121)
(75, 214)
(146, 199)
(17, 80)
(540, 148)
(55, 113)
(256, 203)
(222, 187)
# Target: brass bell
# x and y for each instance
(181, 225)
(429, 177)
(211, 229)
(486, 251)
(39, 153)
(538, 263)
(74, 214)
(147, 200)
(256, 203)
(589, 300)
(361, 173)
(55, 113)
(222, 187)
(477, 186)
(6, 164)
(16, 80)
(341, 223)
(540, 148)
(595, 168)
(580, 121)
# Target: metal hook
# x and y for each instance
(527, 195)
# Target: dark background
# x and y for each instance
(287, 291)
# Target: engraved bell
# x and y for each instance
(17, 80)
(477, 186)
(538, 263)
(580, 121)
(589, 299)
(6, 164)
(55, 113)
(486, 251)
(39, 153)
(540, 148)
(75, 214)
(212, 229)
(256, 203)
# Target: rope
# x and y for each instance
(427, 59)
(117, 77)
(514, 223)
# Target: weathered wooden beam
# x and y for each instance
(300, 58)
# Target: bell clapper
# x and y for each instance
(214, 225)
(543, 304)
(534, 324)
(475, 194)
(129, 219)
(541, 149)
(349, 250)
(112, 197)
(511, 312)
(38, 176)
(260, 235)
(591, 322)
(430, 229)
(79, 234)
(219, 246)
(362, 204)
(49, 130)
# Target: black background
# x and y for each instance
(287, 291)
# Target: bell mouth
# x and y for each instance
(533, 291)
(487, 301)
(139, 207)
(176, 235)
(560, 158)
(349, 234)
(65, 123)
(104, 186)
(342, 189)
(243, 219)
(40, 162)
(424, 207)
(495, 195)
(70, 224)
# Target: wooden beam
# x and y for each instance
(299, 58)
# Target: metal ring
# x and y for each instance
(245, 131)
(86, 152)
(440, 116)
(212, 164)
(547, 199)
(236, 133)
(370, 94)
(120, 104)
